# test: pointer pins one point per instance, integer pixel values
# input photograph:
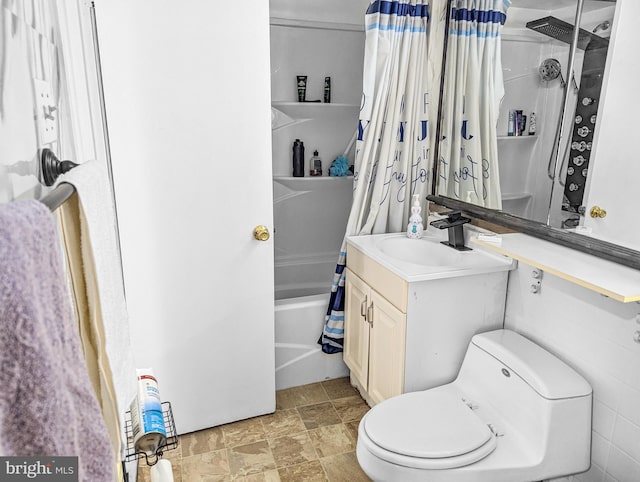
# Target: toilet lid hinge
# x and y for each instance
(494, 430)
(470, 404)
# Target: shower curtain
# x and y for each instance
(468, 165)
(392, 149)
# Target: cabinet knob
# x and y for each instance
(597, 212)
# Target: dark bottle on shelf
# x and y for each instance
(298, 158)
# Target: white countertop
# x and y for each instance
(431, 260)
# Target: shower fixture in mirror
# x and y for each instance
(519, 111)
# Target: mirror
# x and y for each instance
(516, 135)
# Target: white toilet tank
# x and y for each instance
(541, 400)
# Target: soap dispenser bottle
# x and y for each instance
(415, 227)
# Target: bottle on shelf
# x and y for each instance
(532, 124)
(298, 158)
(315, 165)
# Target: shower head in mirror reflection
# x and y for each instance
(551, 69)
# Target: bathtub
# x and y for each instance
(310, 216)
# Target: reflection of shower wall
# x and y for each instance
(526, 189)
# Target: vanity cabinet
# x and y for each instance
(406, 333)
(374, 346)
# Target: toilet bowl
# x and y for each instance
(515, 413)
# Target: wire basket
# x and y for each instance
(170, 443)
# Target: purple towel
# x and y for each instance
(47, 403)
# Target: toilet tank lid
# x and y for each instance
(545, 373)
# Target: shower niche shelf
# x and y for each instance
(306, 178)
(517, 138)
(315, 110)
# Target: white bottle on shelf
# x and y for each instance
(532, 124)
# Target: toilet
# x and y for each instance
(515, 413)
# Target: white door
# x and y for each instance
(615, 168)
(188, 108)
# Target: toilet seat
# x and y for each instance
(433, 429)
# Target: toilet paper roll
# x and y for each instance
(162, 471)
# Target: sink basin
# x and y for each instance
(425, 251)
(427, 258)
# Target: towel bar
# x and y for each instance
(51, 167)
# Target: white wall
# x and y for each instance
(316, 39)
(64, 61)
(316, 53)
(340, 11)
(594, 335)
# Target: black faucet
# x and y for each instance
(453, 223)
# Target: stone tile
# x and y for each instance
(350, 409)
(311, 437)
(343, 468)
(308, 472)
(144, 470)
(210, 466)
(332, 440)
(210, 478)
(174, 455)
(176, 468)
(250, 459)
(339, 388)
(268, 476)
(352, 428)
(292, 450)
(319, 415)
(282, 422)
(144, 474)
(243, 432)
(300, 396)
(202, 441)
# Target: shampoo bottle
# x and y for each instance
(532, 124)
(298, 158)
(315, 165)
(415, 227)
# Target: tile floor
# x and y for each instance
(310, 437)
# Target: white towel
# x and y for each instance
(100, 245)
